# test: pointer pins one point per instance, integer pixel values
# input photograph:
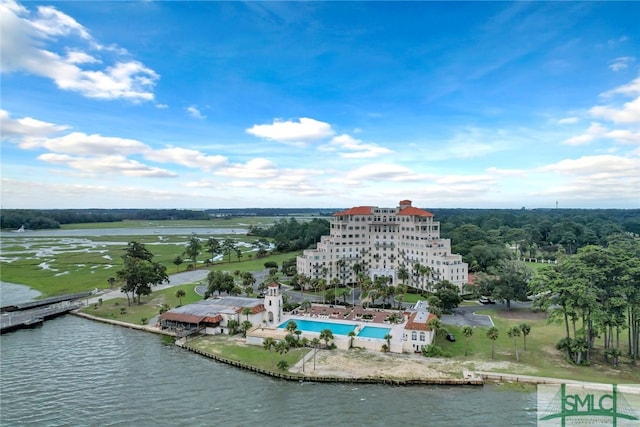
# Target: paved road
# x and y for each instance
(174, 280)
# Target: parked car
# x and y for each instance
(451, 338)
(486, 300)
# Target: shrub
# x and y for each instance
(432, 350)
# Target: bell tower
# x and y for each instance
(273, 303)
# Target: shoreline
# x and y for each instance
(469, 378)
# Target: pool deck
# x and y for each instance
(356, 314)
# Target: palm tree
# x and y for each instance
(327, 336)
(315, 343)
(246, 325)
(403, 274)
(192, 250)
(282, 347)
(305, 305)
(467, 331)
(179, 294)
(213, 245)
(492, 334)
(388, 338)
(112, 281)
(514, 332)
(525, 328)
(283, 365)
(291, 327)
(352, 335)
(247, 311)
(322, 286)
(268, 343)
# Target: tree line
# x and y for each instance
(293, 235)
(35, 219)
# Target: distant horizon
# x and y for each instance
(466, 105)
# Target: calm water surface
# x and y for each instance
(75, 372)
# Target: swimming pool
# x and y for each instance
(318, 326)
(373, 332)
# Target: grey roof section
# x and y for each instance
(213, 306)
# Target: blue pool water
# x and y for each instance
(373, 332)
(317, 326)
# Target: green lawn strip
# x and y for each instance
(256, 356)
(118, 308)
(540, 359)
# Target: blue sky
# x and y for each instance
(320, 104)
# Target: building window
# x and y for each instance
(422, 336)
(414, 336)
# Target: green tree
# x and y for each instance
(283, 365)
(352, 336)
(492, 334)
(282, 347)
(387, 338)
(525, 328)
(467, 331)
(179, 294)
(228, 247)
(448, 295)
(508, 281)
(514, 332)
(327, 336)
(139, 272)
(268, 343)
(247, 311)
(193, 249)
(245, 326)
(177, 261)
(219, 281)
(315, 342)
(233, 326)
(213, 247)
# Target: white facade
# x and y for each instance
(382, 242)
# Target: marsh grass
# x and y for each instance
(57, 266)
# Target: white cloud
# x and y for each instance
(82, 144)
(621, 63)
(624, 136)
(26, 127)
(381, 172)
(595, 131)
(194, 112)
(186, 157)
(96, 166)
(628, 113)
(27, 41)
(304, 131)
(568, 120)
(630, 89)
(350, 147)
(594, 178)
(592, 165)
(255, 168)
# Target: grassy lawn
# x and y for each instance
(227, 347)
(541, 357)
(118, 309)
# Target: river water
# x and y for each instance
(76, 372)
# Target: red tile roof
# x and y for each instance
(419, 326)
(255, 309)
(410, 210)
(357, 210)
(215, 319)
(183, 318)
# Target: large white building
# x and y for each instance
(384, 242)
